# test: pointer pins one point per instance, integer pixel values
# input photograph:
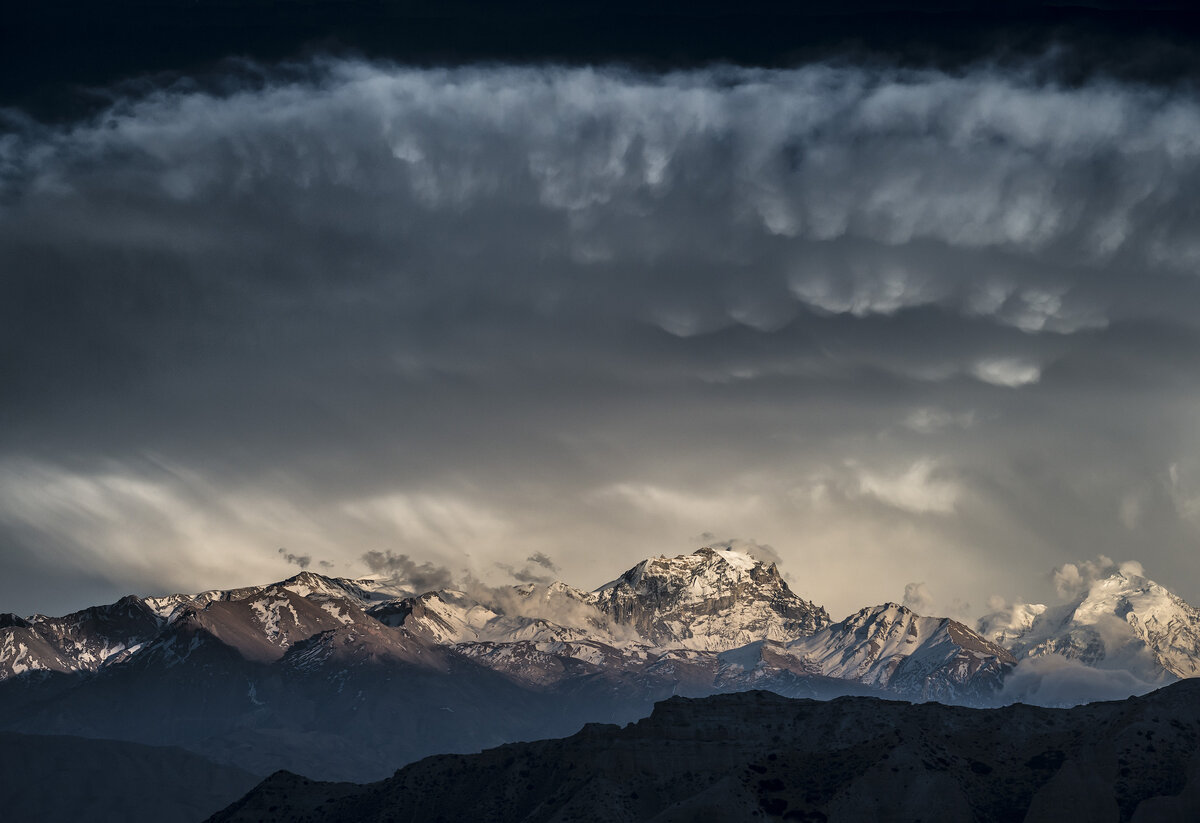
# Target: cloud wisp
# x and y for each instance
(301, 560)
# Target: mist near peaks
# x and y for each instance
(421, 576)
(494, 313)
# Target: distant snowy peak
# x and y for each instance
(310, 585)
(892, 647)
(263, 626)
(706, 571)
(1123, 621)
(375, 589)
(1011, 624)
(713, 619)
(452, 617)
(712, 600)
(255, 623)
(23, 650)
(82, 641)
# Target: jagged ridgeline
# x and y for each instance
(348, 679)
(756, 755)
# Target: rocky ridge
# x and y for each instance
(756, 755)
(712, 620)
(711, 600)
(893, 648)
(344, 678)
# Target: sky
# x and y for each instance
(905, 331)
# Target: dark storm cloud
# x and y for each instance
(525, 574)
(419, 576)
(543, 560)
(301, 560)
(538, 568)
(876, 317)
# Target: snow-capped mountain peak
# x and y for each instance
(712, 599)
(1009, 624)
(453, 617)
(1121, 621)
(891, 646)
(308, 583)
(713, 619)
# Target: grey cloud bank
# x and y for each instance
(900, 326)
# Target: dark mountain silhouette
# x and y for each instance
(757, 755)
(50, 777)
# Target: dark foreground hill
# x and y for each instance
(757, 755)
(52, 778)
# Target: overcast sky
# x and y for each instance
(896, 327)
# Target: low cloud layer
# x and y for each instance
(1053, 680)
(898, 325)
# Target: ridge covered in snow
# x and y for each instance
(892, 647)
(1120, 622)
(712, 620)
(711, 600)
(348, 678)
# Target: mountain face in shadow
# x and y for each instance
(50, 777)
(757, 755)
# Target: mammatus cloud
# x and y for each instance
(483, 313)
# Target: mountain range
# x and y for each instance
(756, 755)
(341, 679)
